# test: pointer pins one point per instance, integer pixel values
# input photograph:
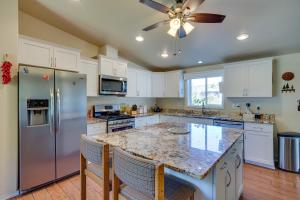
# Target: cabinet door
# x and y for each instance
(174, 84)
(90, 68)
(140, 122)
(98, 128)
(260, 79)
(154, 119)
(220, 172)
(142, 83)
(166, 118)
(106, 66)
(236, 80)
(35, 53)
(131, 82)
(231, 173)
(259, 148)
(239, 164)
(66, 59)
(119, 69)
(158, 84)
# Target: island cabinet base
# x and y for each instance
(225, 179)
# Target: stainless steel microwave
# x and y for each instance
(111, 85)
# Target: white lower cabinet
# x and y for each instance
(259, 149)
(140, 122)
(179, 119)
(239, 172)
(97, 128)
(146, 121)
(154, 119)
(228, 174)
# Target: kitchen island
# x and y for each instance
(206, 156)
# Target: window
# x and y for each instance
(205, 89)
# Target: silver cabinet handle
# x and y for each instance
(240, 161)
(51, 111)
(54, 62)
(228, 184)
(58, 110)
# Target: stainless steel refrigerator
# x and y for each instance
(52, 115)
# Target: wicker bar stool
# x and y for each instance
(144, 179)
(97, 154)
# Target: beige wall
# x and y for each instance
(8, 101)
(283, 105)
(36, 28)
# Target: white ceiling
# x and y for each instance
(273, 26)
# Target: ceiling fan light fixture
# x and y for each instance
(175, 24)
(172, 32)
(188, 27)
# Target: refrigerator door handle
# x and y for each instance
(58, 111)
(51, 123)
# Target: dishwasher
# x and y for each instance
(229, 124)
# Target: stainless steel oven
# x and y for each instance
(111, 85)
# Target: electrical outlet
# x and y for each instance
(236, 105)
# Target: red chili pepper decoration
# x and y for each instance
(5, 68)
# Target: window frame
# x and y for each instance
(206, 75)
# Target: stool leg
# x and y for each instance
(192, 197)
(82, 177)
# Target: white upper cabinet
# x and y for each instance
(138, 83)
(90, 68)
(235, 80)
(66, 59)
(111, 67)
(131, 82)
(260, 79)
(249, 79)
(174, 84)
(37, 53)
(143, 83)
(158, 84)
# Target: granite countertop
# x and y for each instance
(193, 154)
(95, 120)
(217, 117)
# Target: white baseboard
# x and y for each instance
(8, 196)
(270, 166)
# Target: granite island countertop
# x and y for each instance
(194, 154)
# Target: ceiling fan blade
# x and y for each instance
(192, 4)
(206, 18)
(181, 32)
(156, 25)
(155, 5)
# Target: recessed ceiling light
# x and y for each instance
(139, 38)
(164, 55)
(243, 36)
(200, 62)
(76, 0)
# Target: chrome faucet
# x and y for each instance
(203, 108)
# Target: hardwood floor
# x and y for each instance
(259, 184)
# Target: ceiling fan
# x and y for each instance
(180, 16)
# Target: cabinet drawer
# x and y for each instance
(258, 127)
(96, 128)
